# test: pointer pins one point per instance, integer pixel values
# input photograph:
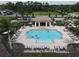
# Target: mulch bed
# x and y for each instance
(3, 51)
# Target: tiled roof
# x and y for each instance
(41, 19)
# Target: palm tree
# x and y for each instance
(5, 23)
(33, 15)
(20, 8)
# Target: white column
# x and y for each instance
(46, 24)
(35, 24)
(49, 23)
(39, 24)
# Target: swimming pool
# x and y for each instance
(44, 34)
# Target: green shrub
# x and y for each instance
(59, 23)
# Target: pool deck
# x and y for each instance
(35, 43)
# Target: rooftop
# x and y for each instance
(41, 19)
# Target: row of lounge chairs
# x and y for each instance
(46, 49)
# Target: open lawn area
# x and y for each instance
(45, 13)
(7, 17)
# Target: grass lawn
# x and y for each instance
(59, 23)
(45, 13)
(7, 17)
(45, 54)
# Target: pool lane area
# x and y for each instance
(46, 35)
(50, 37)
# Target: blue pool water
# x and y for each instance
(44, 34)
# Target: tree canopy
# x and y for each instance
(31, 6)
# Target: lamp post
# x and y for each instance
(10, 43)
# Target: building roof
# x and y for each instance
(41, 19)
